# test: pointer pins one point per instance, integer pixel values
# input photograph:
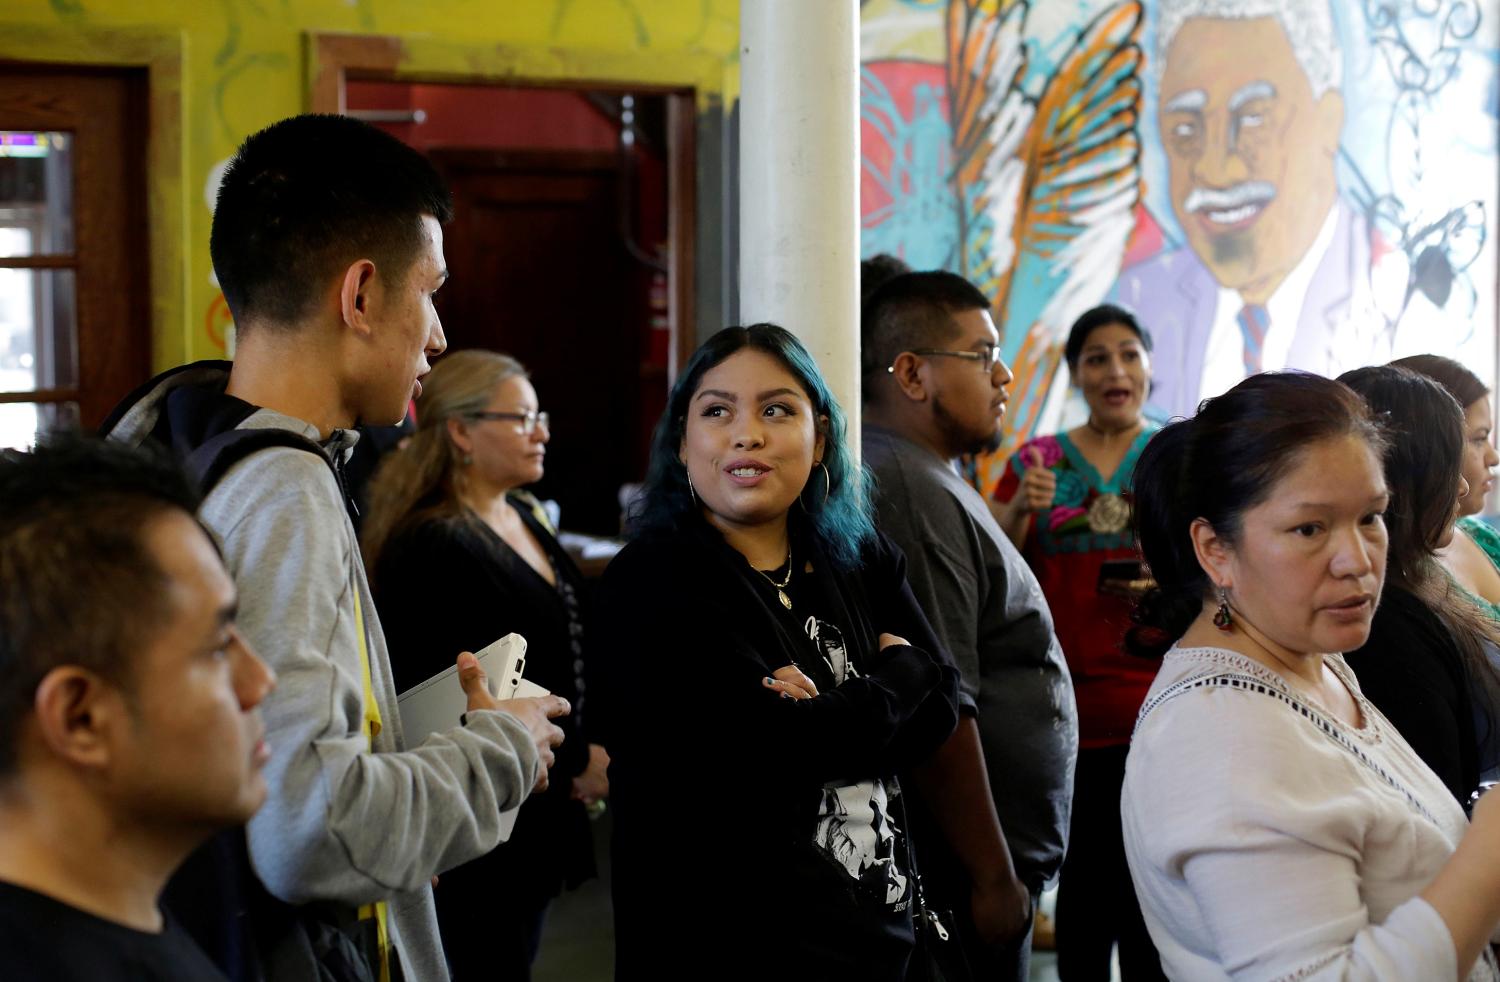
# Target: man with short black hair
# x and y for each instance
(327, 242)
(128, 723)
(934, 389)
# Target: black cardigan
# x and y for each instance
(713, 777)
(449, 585)
(1413, 671)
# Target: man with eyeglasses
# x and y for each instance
(934, 390)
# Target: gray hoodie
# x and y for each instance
(341, 823)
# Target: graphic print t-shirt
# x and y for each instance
(856, 863)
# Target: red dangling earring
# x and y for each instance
(1222, 620)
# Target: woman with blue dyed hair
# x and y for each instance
(764, 694)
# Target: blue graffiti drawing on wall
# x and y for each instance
(918, 222)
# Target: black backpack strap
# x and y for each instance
(141, 392)
(210, 461)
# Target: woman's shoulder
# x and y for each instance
(1403, 624)
(880, 553)
(1218, 739)
(529, 504)
(1209, 702)
(652, 557)
(418, 539)
(1485, 536)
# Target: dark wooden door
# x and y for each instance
(539, 271)
(72, 207)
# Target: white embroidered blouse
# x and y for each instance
(1269, 840)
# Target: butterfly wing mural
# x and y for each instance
(1047, 185)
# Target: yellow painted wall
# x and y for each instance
(221, 69)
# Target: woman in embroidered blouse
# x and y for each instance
(1473, 558)
(1276, 824)
(1064, 502)
(461, 556)
(1427, 662)
(759, 829)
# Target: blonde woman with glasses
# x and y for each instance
(462, 555)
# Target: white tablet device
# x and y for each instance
(438, 703)
(508, 683)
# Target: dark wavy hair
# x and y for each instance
(1422, 463)
(840, 521)
(1461, 383)
(1094, 318)
(1422, 466)
(1216, 466)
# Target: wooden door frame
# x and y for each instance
(168, 238)
(333, 59)
(108, 258)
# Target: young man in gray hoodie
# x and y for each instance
(327, 243)
(934, 389)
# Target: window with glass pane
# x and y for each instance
(23, 423)
(38, 303)
(38, 330)
(36, 194)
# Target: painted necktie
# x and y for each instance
(1254, 320)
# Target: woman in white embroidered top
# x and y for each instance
(1276, 825)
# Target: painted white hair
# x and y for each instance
(1308, 25)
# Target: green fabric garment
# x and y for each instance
(1488, 539)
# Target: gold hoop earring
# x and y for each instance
(827, 486)
(691, 493)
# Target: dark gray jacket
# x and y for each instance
(989, 611)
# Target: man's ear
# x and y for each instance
(77, 716)
(1330, 112)
(1213, 553)
(906, 370)
(355, 293)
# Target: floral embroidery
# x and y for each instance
(1072, 489)
(1087, 513)
(1058, 518)
(1051, 451)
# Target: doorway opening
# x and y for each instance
(561, 254)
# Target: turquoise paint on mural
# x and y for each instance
(920, 223)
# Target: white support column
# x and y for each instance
(799, 180)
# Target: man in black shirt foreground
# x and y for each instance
(128, 730)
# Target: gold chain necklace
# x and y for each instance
(786, 601)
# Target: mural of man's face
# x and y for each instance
(1250, 152)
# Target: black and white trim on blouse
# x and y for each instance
(1330, 729)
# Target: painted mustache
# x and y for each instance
(1249, 194)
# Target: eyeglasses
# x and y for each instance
(529, 421)
(988, 358)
